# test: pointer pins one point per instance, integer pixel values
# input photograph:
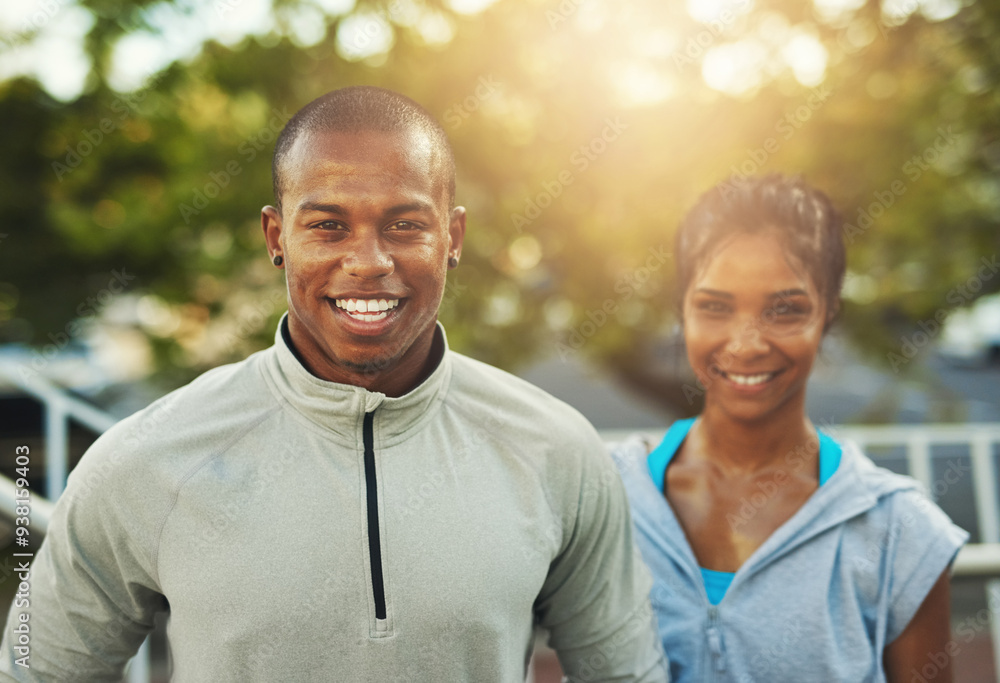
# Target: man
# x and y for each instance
(356, 503)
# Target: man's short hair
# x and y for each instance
(363, 108)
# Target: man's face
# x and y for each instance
(365, 233)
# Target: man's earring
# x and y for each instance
(453, 262)
(277, 260)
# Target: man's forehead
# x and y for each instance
(408, 156)
(411, 147)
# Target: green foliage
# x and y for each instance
(542, 103)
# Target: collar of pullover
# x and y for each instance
(340, 408)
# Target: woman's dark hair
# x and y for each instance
(803, 217)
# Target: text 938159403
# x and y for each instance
(22, 519)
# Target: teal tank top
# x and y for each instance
(717, 583)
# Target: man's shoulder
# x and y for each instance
(212, 408)
(499, 395)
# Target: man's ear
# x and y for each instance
(270, 223)
(456, 232)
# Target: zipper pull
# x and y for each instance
(715, 640)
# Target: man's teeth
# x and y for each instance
(750, 380)
(368, 310)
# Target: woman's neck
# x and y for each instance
(742, 447)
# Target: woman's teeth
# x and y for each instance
(750, 380)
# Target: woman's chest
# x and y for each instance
(725, 519)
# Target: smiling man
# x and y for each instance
(357, 502)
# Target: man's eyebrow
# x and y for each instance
(409, 207)
(341, 211)
(324, 208)
(713, 292)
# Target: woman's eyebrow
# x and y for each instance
(785, 293)
(713, 292)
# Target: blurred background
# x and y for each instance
(135, 147)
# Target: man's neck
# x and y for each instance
(395, 378)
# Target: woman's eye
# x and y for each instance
(790, 309)
(712, 307)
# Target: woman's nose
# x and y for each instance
(747, 339)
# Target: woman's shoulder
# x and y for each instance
(903, 521)
(900, 495)
(630, 454)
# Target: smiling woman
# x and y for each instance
(793, 555)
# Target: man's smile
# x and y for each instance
(368, 310)
(368, 317)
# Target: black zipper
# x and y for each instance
(374, 543)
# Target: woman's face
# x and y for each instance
(753, 323)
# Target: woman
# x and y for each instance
(778, 553)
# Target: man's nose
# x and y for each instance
(368, 259)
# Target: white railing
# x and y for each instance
(60, 408)
(981, 559)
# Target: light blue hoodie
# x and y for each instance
(819, 600)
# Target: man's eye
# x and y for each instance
(328, 225)
(403, 225)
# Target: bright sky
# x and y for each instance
(44, 38)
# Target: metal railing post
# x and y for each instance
(984, 478)
(918, 458)
(56, 446)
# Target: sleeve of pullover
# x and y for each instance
(92, 594)
(595, 600)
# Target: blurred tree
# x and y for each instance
(583, 130)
